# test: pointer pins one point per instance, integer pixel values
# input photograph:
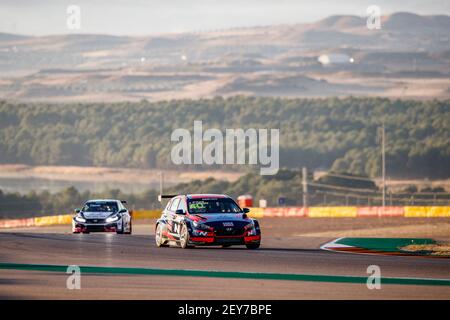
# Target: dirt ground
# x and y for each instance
(104, 174)
(151, 176)
(435, 249)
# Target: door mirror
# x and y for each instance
(246, 210)
(180, 211)
(77, 210)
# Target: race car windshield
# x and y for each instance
(210, 206)
(100, 207)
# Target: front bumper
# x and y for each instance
(221, 240)
(97, 227)
(225, 235)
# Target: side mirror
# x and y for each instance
(123, 210)
(180, 211)
(246, 210)
(77, 210)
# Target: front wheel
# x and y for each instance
(253, 246)
(130, 228)
(184, 237)
(122, 229)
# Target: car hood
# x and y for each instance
(97, 215)
(220, 217)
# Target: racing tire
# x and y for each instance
(122, 231)
(131, 228)
(184, 237)
(253, 246)
(158, 237)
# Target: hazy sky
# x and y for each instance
(141, 17)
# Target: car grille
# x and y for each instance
(95, 228)
(227, 232)
(93, 221)
(230, 241)
(222, 231)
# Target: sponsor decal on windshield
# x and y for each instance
(198, 205)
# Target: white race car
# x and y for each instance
(102, 215)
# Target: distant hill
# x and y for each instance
(341, 22)
(268, 60)
(408, 22)
(11, 37)
(318, 133)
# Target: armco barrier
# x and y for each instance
(332, 212)
(16, 223)
(427, 212)
(380, 211)
(146, 214)
(53, 220)
(284, 212)
(294, 212)
(256, 212)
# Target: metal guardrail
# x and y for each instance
(293, 212)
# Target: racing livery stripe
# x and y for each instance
(202, 239)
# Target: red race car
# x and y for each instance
(206, 219)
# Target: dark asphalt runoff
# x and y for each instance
(166, 273)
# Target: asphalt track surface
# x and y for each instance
(280, 256)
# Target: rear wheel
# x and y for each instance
(253, 246)
(159, 237)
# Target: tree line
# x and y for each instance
(332, 133)
(286, 184)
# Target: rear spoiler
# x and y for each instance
(123, 201)
(166, 196)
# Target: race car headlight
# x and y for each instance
(80, 219)
(199, 225)
(112, 219)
